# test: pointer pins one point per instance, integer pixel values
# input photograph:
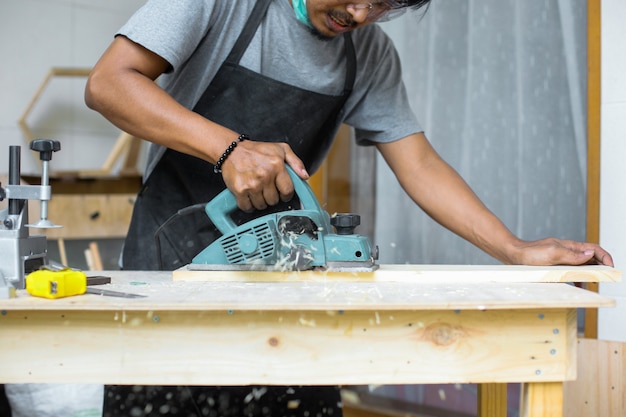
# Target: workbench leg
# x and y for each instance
(492, 400)
(542, 400)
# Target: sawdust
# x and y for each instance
(305, 322)
(303, 255)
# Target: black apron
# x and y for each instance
(246, 102)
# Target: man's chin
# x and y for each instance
(319, 35)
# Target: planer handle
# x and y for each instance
(224, 204)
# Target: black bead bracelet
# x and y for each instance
(218, 165)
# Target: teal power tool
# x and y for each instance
(292, 240)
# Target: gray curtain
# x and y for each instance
(500, 89)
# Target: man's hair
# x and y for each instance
(416, 4)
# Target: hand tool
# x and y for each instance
(110, 293)
(299, 239)
(55, 283)
(21, 252)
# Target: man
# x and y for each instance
(248, 87)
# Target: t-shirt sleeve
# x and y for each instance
(171, 29)
(379, 108)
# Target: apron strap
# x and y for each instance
(255, 19)
(350, 64)
(246, 35)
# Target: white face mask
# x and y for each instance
(299, 6)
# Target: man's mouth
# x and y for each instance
(339, 22)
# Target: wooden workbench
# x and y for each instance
(430, 324)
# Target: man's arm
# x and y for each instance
(121, 87)
(446, 197)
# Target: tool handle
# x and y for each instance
(224, 204)
(15, 167)
(45, 147)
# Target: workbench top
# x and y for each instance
(392, 287)
(398, 325)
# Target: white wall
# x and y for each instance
(40, 34)
(613, 167)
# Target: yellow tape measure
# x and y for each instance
(56, 284)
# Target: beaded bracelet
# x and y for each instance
(218, 165)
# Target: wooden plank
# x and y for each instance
(320, 296)
(331, 182)
(542, 400)
(53, 72)
(69, 182)
(88, 259)
(338, 168)
(492, 400)
(600, 387)
(545, 399)
(233, 347)
(422, 273)
(87, 216)
(70, 72)
(594, 124)
(94, 252)
(121, 147)
(33, 100)
(126, 149)
(62, 252)
(594, 120)
(129, 163)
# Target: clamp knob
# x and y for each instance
(45, 147)
(345, 223)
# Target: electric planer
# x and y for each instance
(293, 240)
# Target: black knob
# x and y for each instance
(345, 223)
(45, 147)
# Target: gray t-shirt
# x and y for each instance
(195, 36)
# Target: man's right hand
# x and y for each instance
(256, 174)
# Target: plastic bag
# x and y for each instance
(55, 400)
